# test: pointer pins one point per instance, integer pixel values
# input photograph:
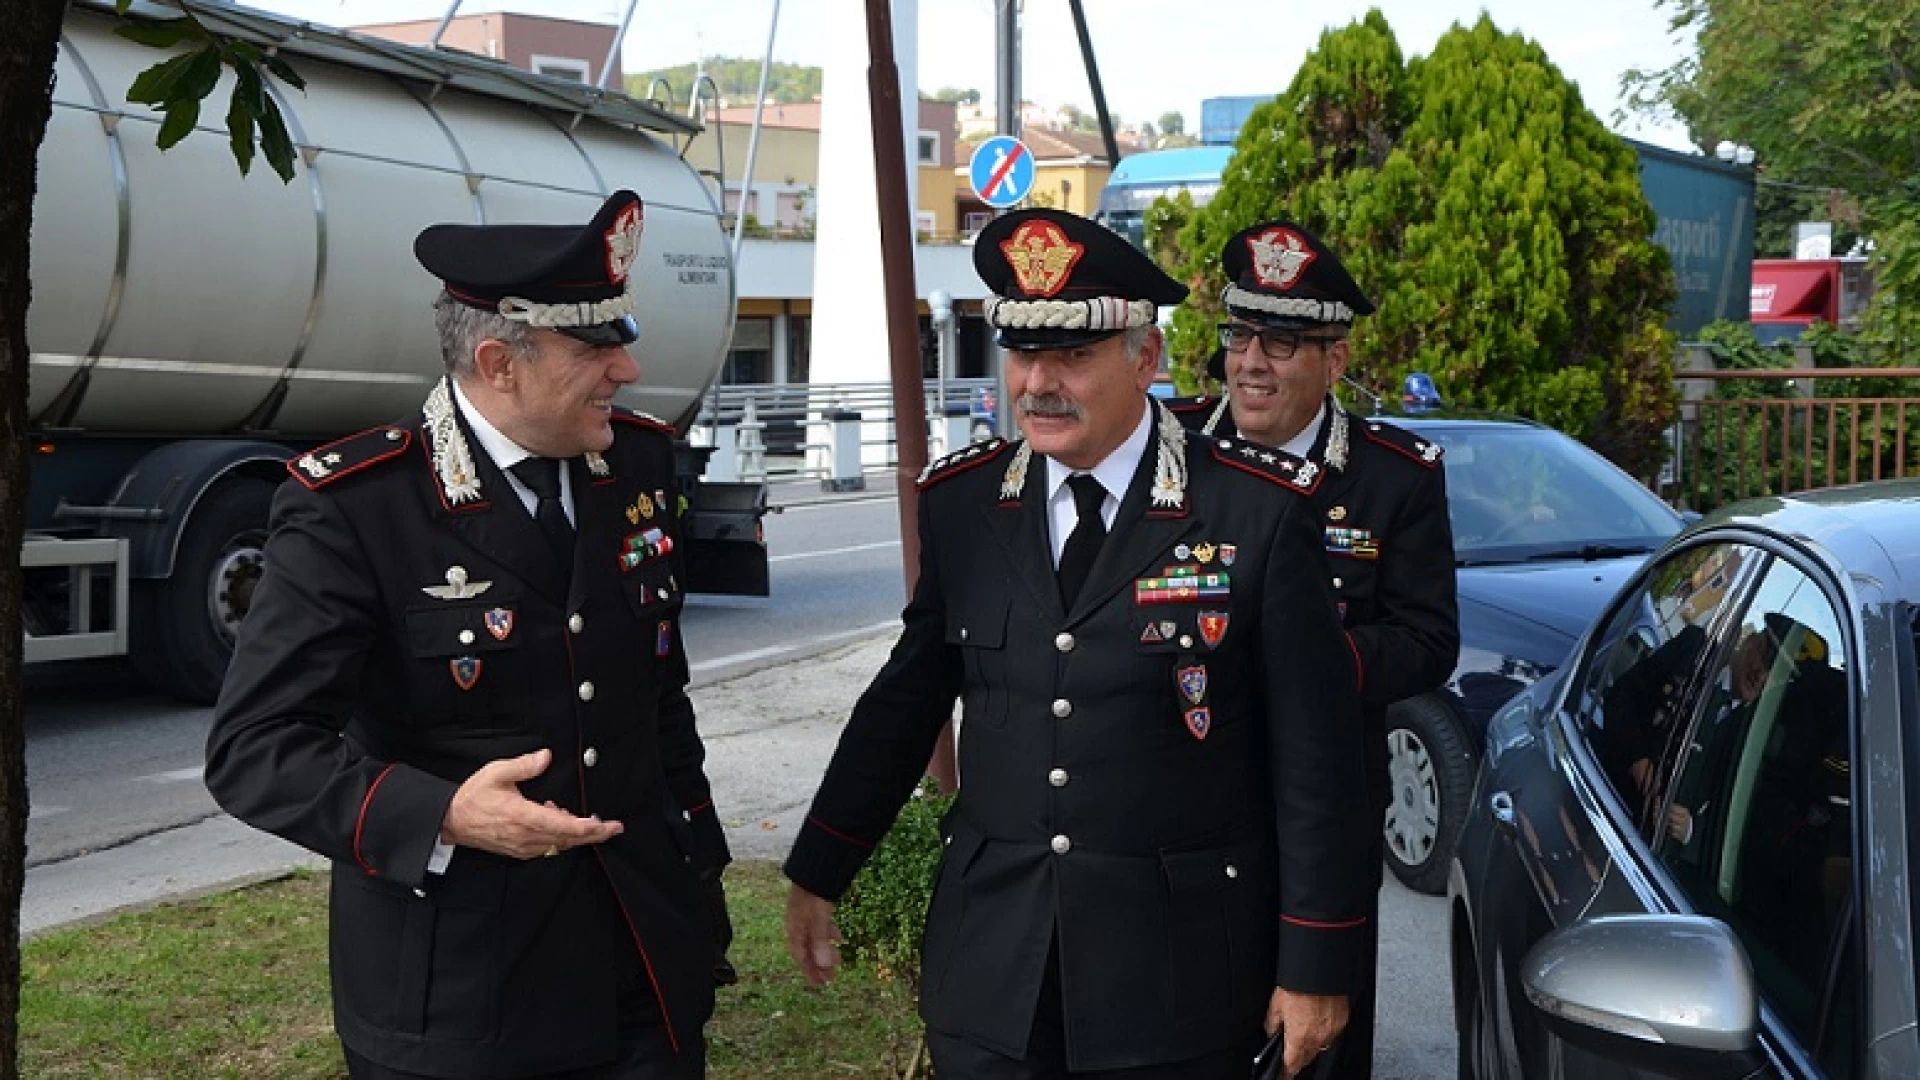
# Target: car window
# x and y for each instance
(1516, 492)
(1635, 686)
(1758, 828)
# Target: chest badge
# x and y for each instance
(1192, 682)
(1338, 513)
(466, 671)
(1213, 627)
(1204, 552)
(1199, 721)
(499, 623)
(458, 587)
(1227, 554)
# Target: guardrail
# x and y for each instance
(767, 431)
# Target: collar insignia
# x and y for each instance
(1042, 257)
(452, 458)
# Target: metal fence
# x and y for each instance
(1762, 442)
(778, 429)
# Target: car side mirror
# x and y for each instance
(1669, 994)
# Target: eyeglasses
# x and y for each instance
(1277, 344)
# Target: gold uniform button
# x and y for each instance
(1061, 845)
(586, 691)
(1062, 708)
(1063, 642)
(576, 623)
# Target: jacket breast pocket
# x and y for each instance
(1355, 583)
(467, 655)
(977, 626)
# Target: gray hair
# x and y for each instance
(1135, 340)
(463, 327)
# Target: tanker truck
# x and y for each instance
(192, 328)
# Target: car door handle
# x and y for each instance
(1500, 805)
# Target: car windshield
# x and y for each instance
(1517, 493)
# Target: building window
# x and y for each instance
(750, 354)
(977, 220)
(928, 148)
(561, 67)
(923, 222)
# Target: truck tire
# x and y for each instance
(1430, 763)
(184, 625)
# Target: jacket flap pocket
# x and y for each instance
(1200, 871)
(978, 621)
(464, 629)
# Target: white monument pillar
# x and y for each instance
(849, 322)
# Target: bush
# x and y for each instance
(884, 913)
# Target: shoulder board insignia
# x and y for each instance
(322, 466)
(643, 420)
(961, 460)
(1276, 466)
(1426, 452)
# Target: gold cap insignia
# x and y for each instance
(1042, 257)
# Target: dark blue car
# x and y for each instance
(1544, 532)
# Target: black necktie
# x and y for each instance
(542, 477)
(1083, 543)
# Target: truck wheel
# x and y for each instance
(184, 625)
(1430, 773)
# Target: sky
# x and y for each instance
(1155, 56)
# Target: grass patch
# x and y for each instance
(234, 987)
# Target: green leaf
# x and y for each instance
(275, 143)
(240, 123)
(160, 33)
(248, 87)
(284, 71)
(157, 84)
(120, 6)
(200, 76)
(181, 115)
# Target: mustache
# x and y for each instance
(1048, 405)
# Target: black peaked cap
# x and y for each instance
(542, 264)
(1281, 275)
(1045, 254)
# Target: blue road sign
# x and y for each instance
(1001, 171)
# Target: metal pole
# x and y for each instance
(896, 260)
(613, 50)
(1093, 79)
(753, 141)
(1006, 72)
(434, 41)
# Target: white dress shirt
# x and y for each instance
(506, 453)
(1114, 472)
(1302, 443)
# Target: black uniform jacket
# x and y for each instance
(1166, 777)
(1381, 493)
(405, 634)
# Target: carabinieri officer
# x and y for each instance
(1158, 849)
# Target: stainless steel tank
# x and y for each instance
(171, 295)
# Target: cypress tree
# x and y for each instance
(1497, 223)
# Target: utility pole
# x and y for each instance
(1006, 70)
